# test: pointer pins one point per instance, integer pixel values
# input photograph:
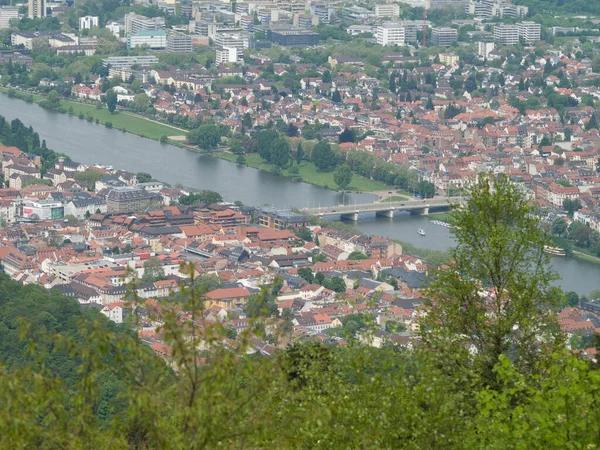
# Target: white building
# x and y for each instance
(179, 42)
(8, 13)
(154, 39)
(88, 22)
(239, 41)
(506, 34)
(529, 31)
(226, 55)
(7, 210)
(484, 49)
(114, 28)
(80, 207)
(391, 10)
(135, 23)
(43, 209)
(391, 34)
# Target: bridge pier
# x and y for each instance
(349, 216)
(387, 213)
(420, 212)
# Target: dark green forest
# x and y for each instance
(560, 6)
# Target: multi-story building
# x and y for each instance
(443, 36)
(128, 199)
(36, 8)
(529, 31)
(391, 34)
(281, 219)
(135, 23)
(449, 59)
(238, 40)
(43, 209)
(506, 34)
(488, 9)
(387, 10)
(8, 13)
(484, 49)
(114, 28)
(226, 55)
(293, 37)
(154, 39)
(122, 62)
(88, 22)
(434, 4)
(179, 42)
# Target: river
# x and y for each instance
(89, 143)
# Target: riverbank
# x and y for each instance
(574, 251)
(131, 123)
(153, 129)
(307, 173)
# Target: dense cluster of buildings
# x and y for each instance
(90, 242)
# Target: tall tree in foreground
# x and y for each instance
(495, 297)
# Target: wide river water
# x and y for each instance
(89, 143)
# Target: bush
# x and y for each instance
(108, 125)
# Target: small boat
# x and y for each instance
(421, 231)
(556, 251)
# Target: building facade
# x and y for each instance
(179, 43)
(128, 199)
(88, 22)
(8, 13)
(506, 34)
(154, 39)
(135, 23)
(443, 36)
(36, 8)
(391, 34)
(529, 31)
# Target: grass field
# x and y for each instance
(309, 174)
(122, 121)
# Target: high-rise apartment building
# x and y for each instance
(529, 31)
(8, 13)
(391, 34)
(179, 42)
(36, 8)
(506, 34)
(88, 22)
